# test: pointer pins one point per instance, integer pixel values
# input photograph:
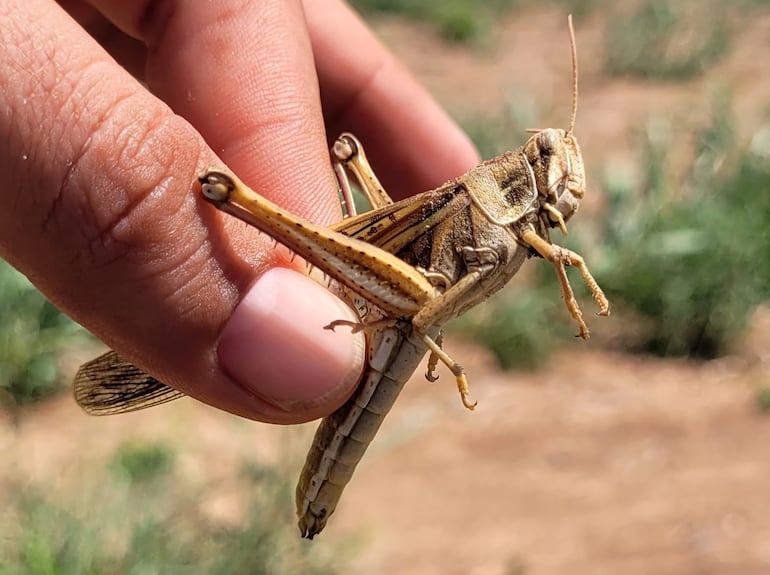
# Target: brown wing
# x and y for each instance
(108, 384)
(395, 226)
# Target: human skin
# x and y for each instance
(110, 109)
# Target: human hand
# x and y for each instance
(100, 210)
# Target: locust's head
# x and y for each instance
(557, 164)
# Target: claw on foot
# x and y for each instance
(462, 385)
(357, 326)
(561, 257)
(456, 368)
(433, 360)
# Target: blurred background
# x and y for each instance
(644, 450)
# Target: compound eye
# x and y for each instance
(548, 140)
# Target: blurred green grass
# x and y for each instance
(762, 400)
(654, 39)
(690, 255)
(667, 40)
(138, 518)
(682, 257)
(136, 515)
(33, 335)
(455, 20)
(463, 21)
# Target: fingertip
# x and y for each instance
(274, 344)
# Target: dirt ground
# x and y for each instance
(599, 463)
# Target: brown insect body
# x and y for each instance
(470, 225)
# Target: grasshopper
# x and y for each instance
(407, 267)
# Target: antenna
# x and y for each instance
(574, 75)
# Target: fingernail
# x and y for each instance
(276, 346)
